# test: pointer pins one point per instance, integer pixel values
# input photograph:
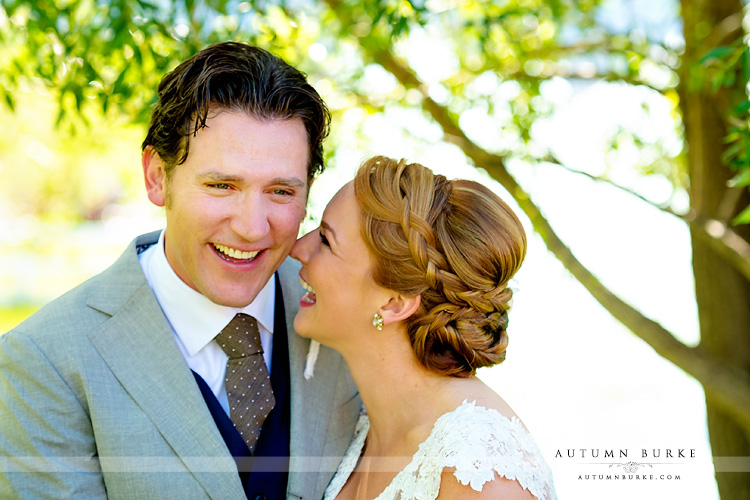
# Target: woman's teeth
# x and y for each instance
(309, 297)
(236, 254)
(306, 286)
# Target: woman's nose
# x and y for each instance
(301, 249)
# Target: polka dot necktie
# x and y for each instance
(247, 382)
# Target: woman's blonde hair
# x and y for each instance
(454, 243)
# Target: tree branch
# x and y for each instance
(727, 28)
(727, 386)
(607, 46)
(557, 71)
(721, 238)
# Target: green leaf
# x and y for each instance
(741, 179)
(117, 86)
(9, 101)
(720, 53)
(743, 107)
(742, 218)
(734, 150)
(400, 27)
(60, 116)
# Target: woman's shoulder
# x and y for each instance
(474, 430)
(479, 443)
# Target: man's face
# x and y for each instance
(234, 207)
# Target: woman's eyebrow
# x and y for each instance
(328, 228)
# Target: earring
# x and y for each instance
(377, 321)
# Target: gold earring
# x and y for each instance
(377, 321)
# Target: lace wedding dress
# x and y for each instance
(476, 441)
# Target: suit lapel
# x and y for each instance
(139, 348)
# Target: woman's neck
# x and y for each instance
(403, 399)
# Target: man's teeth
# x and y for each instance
(236, 254)
(306, 286)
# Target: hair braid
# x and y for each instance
(454, 243)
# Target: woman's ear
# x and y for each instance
(399, 308)
(154, 176)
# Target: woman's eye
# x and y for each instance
(324, 240)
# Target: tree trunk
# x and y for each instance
(722, 293)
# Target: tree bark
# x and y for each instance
(722, 293)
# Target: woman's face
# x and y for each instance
(336, 264)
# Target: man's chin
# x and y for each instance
(233, 299)
(236, 289)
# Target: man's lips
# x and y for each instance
(233, 255)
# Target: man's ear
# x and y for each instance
(399, 308)
(154, 176)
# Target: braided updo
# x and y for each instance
(454, 243)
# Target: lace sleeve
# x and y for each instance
(480, 442)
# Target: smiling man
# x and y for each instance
(176, 373)
(235, 205)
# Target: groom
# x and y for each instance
(118, 388)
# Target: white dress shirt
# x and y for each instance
(195, 320)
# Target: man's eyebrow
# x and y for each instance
(216, 176)
(213, 175)
(293, 182)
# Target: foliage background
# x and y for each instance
(572, 108)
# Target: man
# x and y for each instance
(120, 388)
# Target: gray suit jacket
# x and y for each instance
(96, 400)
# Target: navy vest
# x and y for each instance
(264, 475)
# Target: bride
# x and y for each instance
(407, 277)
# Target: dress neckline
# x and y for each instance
(362, 430)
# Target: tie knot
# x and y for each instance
(240, 337)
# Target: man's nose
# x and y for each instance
(251, 218)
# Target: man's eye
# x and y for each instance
(219, 186)
(283, 192)
(324, 240)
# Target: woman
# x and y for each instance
(407, 277)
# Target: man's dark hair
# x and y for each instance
(237, 77)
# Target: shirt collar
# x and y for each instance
(194, 318)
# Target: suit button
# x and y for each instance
(260, 496)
